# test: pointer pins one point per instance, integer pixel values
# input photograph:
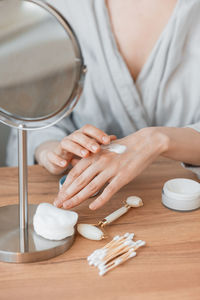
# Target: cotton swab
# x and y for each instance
(115, 241)
(116, 252)
(134, 246)
(104, 269)
(99, 254)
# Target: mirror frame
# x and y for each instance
(44, 122)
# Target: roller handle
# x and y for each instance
(116, 214)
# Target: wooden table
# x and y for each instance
(167, 268)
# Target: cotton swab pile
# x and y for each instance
(116, 252)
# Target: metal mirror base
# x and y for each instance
(25, 246)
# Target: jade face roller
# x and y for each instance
(96, 232)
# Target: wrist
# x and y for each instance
(161, 138)
(158, 139)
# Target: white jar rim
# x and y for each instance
(182, 189)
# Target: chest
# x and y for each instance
(137, 26)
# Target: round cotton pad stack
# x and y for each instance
(54, 223)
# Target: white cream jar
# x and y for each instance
(181, 194)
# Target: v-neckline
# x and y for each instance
(151, 54)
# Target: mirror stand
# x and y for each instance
(23, 179)
(42, 72)
(18, 241)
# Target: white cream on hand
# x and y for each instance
(54, 223)
(117, 148)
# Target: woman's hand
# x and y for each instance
(116, 170)
(56, 156)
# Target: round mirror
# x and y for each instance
(41, 79)
(41, 66)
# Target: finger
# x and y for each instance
(114, 186)
(56, 160)
(74, 148)
(54, 169)
(58, 150)
(96, 133)
(113, 137)
(78, 184)
(85, 141)
(71, 177)
(74, 161)
(92, 187)
(63, 153)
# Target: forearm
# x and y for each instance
(183, 144)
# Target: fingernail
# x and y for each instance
(95, 147)
(63, 163)
(84, 152)
(56, 203)
(92, 206)
(67, 204)
(105, 139)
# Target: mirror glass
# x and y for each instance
(40, 64)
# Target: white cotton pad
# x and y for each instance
(54, 223)
(181, 194)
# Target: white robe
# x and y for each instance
(166, 92)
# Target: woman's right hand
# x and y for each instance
(56, 156)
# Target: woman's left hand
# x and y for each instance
(90, 174)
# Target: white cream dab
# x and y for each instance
(54, 223)
(117, 148)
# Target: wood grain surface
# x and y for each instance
(167, 268)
